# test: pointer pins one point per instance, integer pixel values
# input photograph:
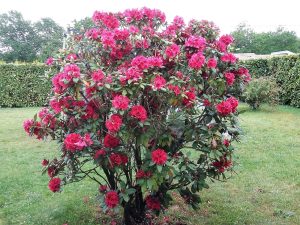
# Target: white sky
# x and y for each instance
(262, 15)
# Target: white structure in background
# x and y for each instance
(248, 56)
(283, 53)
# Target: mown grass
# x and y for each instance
(265, 190)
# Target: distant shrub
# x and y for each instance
(262, 90)
(285, 70)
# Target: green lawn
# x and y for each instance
(265, 190)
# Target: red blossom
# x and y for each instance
(99, 153)
(111, 141)
(224, 108)
(172, 51)
(159, 156)
(138, 112)
(152, 203)
(54, 184)
(120, 102)
(212, 63)
(197, 61)
(45, 162)
(230, 77)
(114, 123)
(159, 82)
(111, 199)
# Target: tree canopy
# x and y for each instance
(22, 40)
(247, 40)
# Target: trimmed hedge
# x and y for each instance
(285, 70)
(23, 85)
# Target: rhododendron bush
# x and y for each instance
(144, 109)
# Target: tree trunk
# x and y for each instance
(134, 212)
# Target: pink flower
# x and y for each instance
(133, 73)
(140, 62)
(138, 112)
(71, 56)
(196, 61)
(120, 102)
(228, 57)
(212, 63)
(114, 123)
(230, 77)
(226, 39)
(172, 51)
(196, 42)
(49, 61)
(72, 70)
(155, 61)
(152, 203)
(98, 76)
(159, 82)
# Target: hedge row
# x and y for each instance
(286, 71)
(23, 85)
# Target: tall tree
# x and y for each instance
(25, 41)
(50, 37)
(17, 38)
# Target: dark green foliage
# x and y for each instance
(23, 85)
(285, 70)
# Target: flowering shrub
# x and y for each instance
(132, 98)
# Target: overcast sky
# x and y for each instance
(262, 15)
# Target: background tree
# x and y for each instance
(25, 41)
(17, 38)
(50, 37)
(246, 40)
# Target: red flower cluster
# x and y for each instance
(99, 153)
(111, 199)
(45, 162)
(54, 184)
(141, 174)
(212, 63)
(189, 99)
(114, 123)
(111, 141)
(152, 203)
(138, 112)
(230, 77)
(196, 42)
(226, 107)
(158, 82)
(120, 102)
(172, 51)
(222, 164)
(98, 76)
(75, 142)
(197, 61)
(117, 159)
(35, 127)
(229, 58)
(159, 156)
